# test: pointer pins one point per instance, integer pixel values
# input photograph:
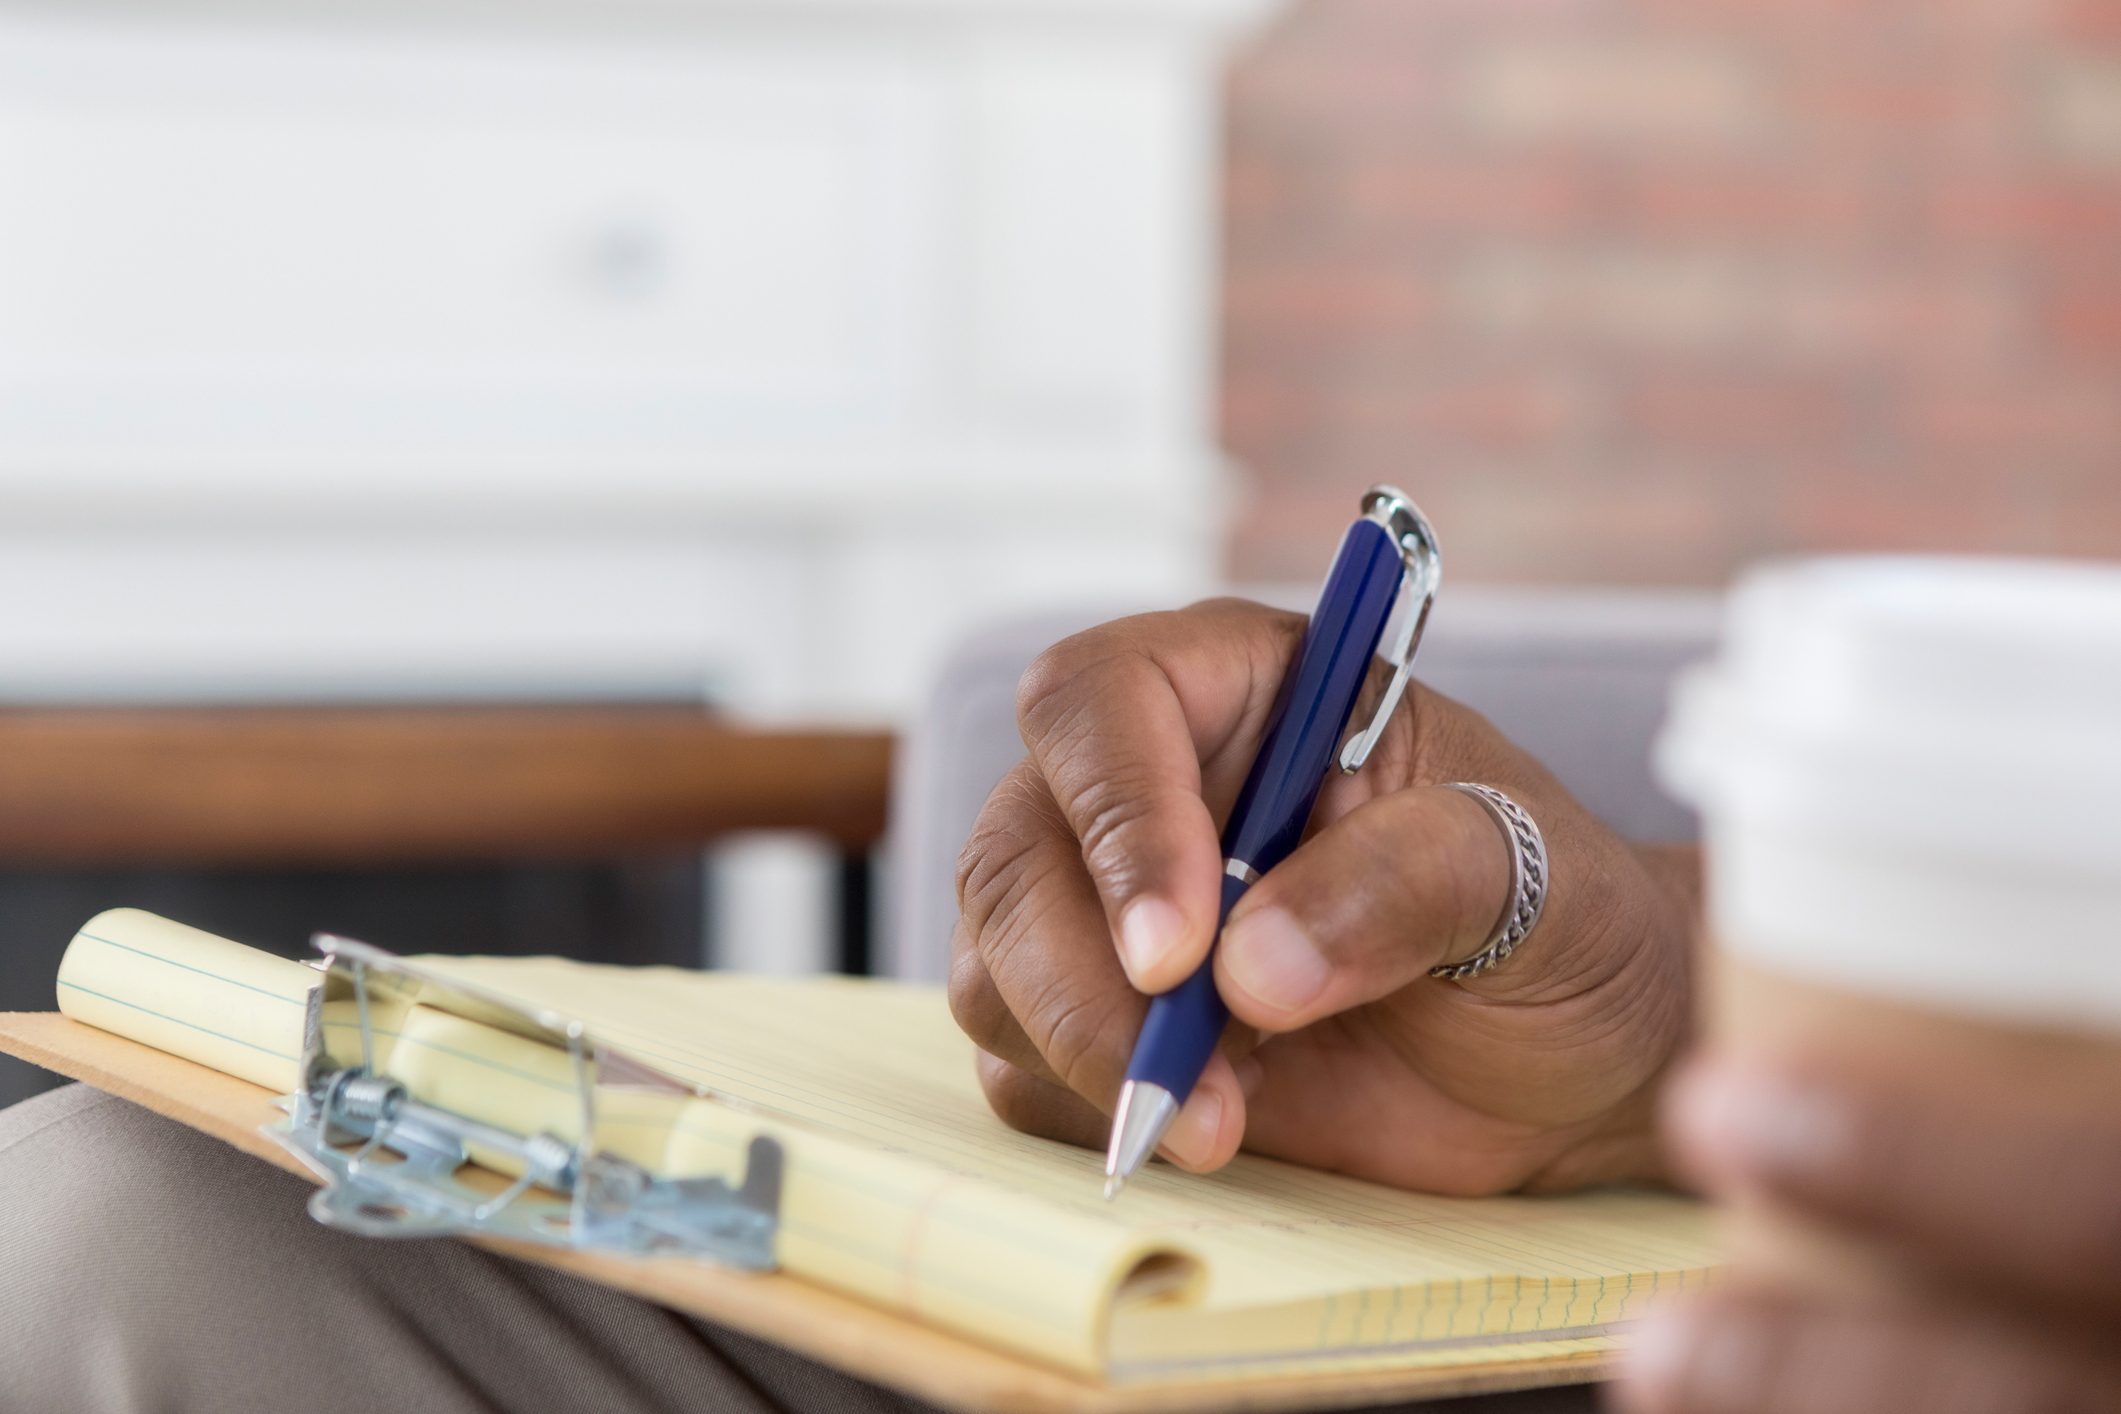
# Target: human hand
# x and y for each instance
(1996, 1203)
(1093, 877)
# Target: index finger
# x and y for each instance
(1036, 990)
(1106, 725)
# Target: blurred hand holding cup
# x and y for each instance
(1909, 772)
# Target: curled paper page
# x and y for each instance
(185, 991)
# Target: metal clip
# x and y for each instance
(391, 1163)
(1410, 530)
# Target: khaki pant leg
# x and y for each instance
(146, 1267)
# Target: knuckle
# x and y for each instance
(1058, 672)
(974, 1003)
(1054, 687)
(1450, 741)
(1434, 733)
(1005, 839)
(1047, 676)
(1073, 1027)
(961, 942)
(1017, 928)
(1073, 691)
(1487, 1176)
(991, 852)
(1017, 1098)
(1219, 606)
(1067, 722)
(1232, 614)
(1115, 815)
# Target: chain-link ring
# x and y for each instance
(1528, 882)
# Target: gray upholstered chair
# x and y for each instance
(1579, 678)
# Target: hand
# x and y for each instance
(1093, 877)
(1999, 1203)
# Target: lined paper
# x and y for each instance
(190, 993)
(1325, 1265)
(904, 1190)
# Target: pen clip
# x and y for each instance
(1418, 551)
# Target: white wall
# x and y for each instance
(742, 350)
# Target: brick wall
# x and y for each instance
(1637, 290)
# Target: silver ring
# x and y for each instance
(1528, 882)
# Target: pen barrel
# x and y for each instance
(1303, 732)
(1183, 1025)
(1318, 695)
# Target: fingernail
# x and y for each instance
(1653, 1368)
(1734, 1123)
(1269, 958)
(1148, 930)
(1191, 1137)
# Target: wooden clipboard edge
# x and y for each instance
(833, 1329)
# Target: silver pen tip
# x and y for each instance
(1144, 1112)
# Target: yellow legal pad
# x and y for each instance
(904, 1192)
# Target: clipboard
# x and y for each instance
(835, 1330)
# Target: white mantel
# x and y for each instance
(590, 350)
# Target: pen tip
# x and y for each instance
(1113, 1183)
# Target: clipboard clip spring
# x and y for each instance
(393, 1165)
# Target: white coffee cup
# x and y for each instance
(1909, 775)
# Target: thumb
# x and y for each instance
(1367, 905)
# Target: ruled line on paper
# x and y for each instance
(176, 1020)
(189, 967)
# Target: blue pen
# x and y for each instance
(1389, 549)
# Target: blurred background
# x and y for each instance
(1639, 290)
(584, 477)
